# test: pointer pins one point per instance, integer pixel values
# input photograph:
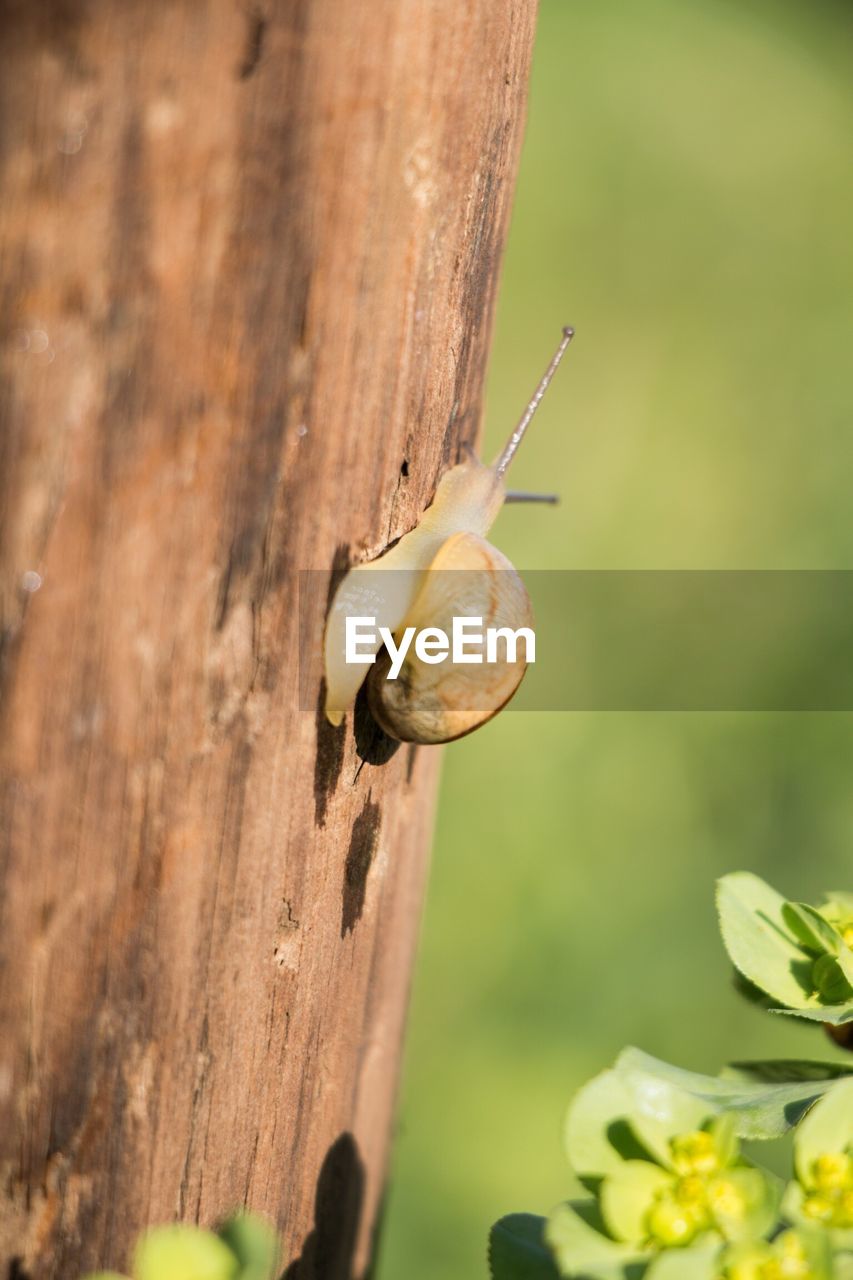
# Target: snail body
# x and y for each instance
(399, 590)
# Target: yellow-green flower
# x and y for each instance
(829, 1197)
(838, 910)
(792, 1256)
(823, 1158)
(696, 1184)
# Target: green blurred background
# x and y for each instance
(685, 202)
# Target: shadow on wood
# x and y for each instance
(329, 1250)
(372, 744)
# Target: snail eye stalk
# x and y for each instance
(506, 456)
(517, 495)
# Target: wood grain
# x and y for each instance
(249, 257)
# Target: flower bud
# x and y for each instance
(695, 1153)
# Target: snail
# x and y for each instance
(415, 588)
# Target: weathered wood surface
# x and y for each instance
(249, 256)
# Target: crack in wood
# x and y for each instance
(256, 27)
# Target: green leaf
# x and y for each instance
(792, 1206)
(183, 1253)
(773, 943)
(845, 963)
(627, 1196)
(628, 1113)
(787, 1071)
(724, 1133)
(577, 1239)
(837, 1015)
(759, 941)
(659, 1107)
(660, 1114)
(697, 1262)
(761, 1110)
(831, 980)
(751, 992)
(595, 1143)
(104, 1275)
(517, 1249)
(811, 929)
(254, 1244)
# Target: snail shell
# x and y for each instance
(468, 499)
(431, 703)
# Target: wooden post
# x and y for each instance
(249, 257)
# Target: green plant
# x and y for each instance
(244, 1248)
(790, 957)
(670, 1195)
